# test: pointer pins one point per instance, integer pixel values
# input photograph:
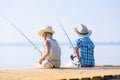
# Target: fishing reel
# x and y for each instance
(72, 56)
(74, 61)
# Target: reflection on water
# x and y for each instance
(20, 56)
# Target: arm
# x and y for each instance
(47, 51)
(76, 51)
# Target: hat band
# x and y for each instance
(82, 33)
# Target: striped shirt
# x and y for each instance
(86, 50)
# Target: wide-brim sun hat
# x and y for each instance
(45, 29)
(82, 31)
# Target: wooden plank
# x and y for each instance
(97, 78)
(74, 79)
(86, 78)
(94, 73)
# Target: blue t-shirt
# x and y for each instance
(86, 50)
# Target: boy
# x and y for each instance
(84, 48)
(52, 52)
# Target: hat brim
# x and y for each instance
(45, 30)
(80, 35)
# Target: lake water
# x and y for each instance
(25, 56)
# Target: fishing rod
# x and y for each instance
(72, 56)
(22, 34)
(27, 39)
(65, 33)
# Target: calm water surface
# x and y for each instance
(20, 57)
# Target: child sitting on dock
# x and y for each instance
(52, 52)
(84, 47)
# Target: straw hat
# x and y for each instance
(82, 31)
(46, 29)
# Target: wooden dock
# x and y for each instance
(95, 73)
